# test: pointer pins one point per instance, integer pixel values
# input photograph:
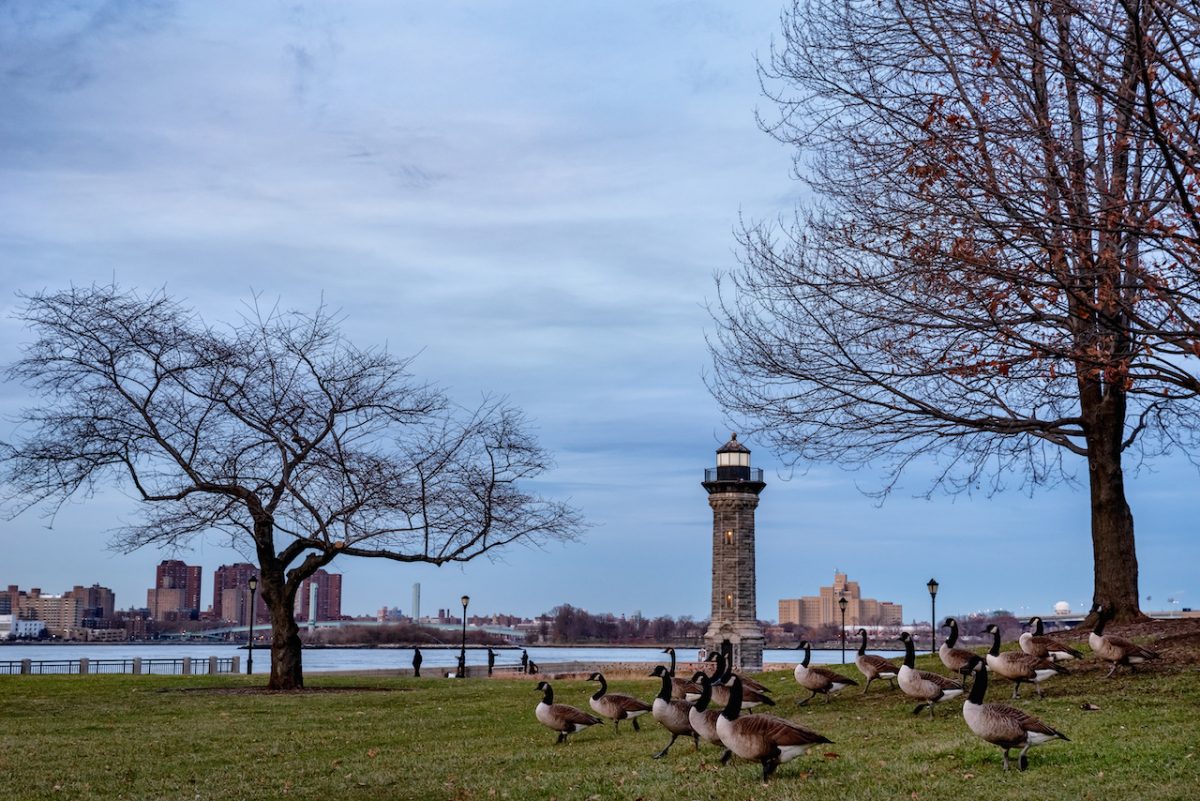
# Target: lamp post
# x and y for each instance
(842, 603)
(462, 654)
(933, 587)
(253, 584)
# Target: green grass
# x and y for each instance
(124, 737)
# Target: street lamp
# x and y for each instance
(462, 654)
(933, 585)
(842, 603)
(253, 584)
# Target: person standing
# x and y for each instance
(417, 660)
(524, 661)
(491, 660)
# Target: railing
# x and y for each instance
(186, 666)
(733, 474)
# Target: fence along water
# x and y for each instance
(183, 666)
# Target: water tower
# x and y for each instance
(733, 488)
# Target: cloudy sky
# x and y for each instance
(533, 196)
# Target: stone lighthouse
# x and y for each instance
(733, 489)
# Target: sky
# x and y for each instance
(533, 198)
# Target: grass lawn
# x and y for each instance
(125, 737)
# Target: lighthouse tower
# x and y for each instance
(733, 488)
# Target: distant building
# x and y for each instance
(59, 613)
(176, 592)
(97, 602)
(814, 611)
(231, 594)
(10, 600)
(329, 596)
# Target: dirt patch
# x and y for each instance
(1177, 641)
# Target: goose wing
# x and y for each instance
(880, 664)
(681, 688)
(751, 684)
(1021, 719)
(779, 731)
(627, 703)
(570, 715)
(941, 682)
(1052, 645)
(1131, 648)
(831, 675)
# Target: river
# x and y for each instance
(317, 660)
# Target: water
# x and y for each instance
(317, 660)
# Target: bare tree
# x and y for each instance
(274, 431)
(998, 269)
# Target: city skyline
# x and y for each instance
(534, 201)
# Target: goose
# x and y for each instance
(721, 678)
(614, 706)
(872, 666)
(957, 659)
(1002, 725)
(681, 688)
(928, 688)
(671, 713)
(1036, 643)
(1117, 650)
(1018, 665)
(765, 739)
(703, 719)
(562, 718)
(819, 679)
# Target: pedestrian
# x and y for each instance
(417, 660)
(491, 660)
(524, 661)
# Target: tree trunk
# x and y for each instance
(1114, 556)
(286, 669)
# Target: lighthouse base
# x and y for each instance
(742, 643)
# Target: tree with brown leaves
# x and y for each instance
(997, 267)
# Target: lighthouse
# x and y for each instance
(733, 488)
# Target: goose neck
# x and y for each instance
(705, 693)
(995, 649)
(734, 707)
(664, 692)
(862, 649)
(910, 654)
(979, 685)
(603, 687)
(953, 636)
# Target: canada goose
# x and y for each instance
(721, 679)
(960, 660)
(703, 719)
(680, 688)
(1036, 643)
(1002, 725)
(872, 666)
(671, 713)
(1018, 665)
(562, 718)
(1117, 650)
(766, 739)
(614, 706)
(819, 679)
(928, 688)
